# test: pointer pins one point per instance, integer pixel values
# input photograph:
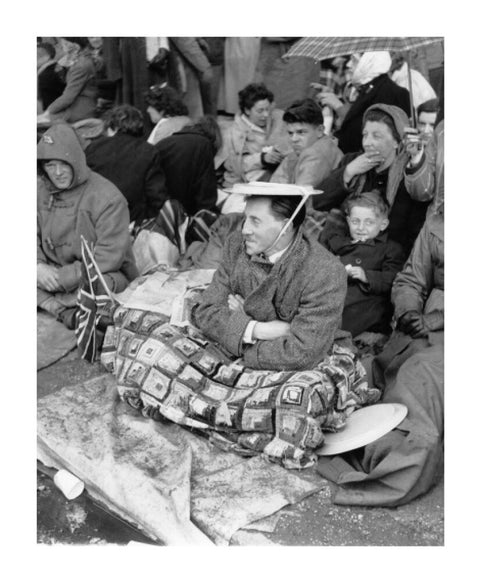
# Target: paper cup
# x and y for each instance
(68, 484)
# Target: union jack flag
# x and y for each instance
(95, 301)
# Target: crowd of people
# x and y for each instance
(121, 133)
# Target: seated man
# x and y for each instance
(314, 155)
(277, 297)
(73, 201)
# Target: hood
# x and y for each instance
(398, 116)
(370, 66)
(60, 142)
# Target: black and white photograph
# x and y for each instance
(240, 288)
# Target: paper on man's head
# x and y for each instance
(273, 189)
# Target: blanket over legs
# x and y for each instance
(176, 373)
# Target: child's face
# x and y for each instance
(365, 223)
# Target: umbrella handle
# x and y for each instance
(412, 108)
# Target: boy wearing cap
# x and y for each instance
(371, 261)
(314, 155)
(276, 298)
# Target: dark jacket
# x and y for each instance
(406, 215)
(130, 163)
(305, 288)
(50, 85)
(186, 158)
(92, 206)
(368, 306)
(380, 90)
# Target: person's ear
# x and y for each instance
(320, 130)
(383, 225)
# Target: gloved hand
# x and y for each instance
(411, 323)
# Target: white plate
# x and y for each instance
(364, 426)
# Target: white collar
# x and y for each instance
(44, 66)
(251, 125)
(276, 256)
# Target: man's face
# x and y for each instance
(303, 135)
(260, 113)
(365, 224)
(60, 173)
(426, 122)
(261, 227)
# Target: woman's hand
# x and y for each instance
(47, 277)
(362, 164)
(273, 156)
(270, 330)
(412, 324)
(414, 145)
(329, 100)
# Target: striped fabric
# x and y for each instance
(325, 47)
(94, 301)
(171, 221)
(333, 81)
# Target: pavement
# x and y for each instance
(315, 521)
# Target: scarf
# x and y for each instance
(370, 66)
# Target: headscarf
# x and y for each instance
(397, 115)
(370, 66)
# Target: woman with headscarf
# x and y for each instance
(380, 166)
(371, 85)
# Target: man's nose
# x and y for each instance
(245, 228)
(58, 169)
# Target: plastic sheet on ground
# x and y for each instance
(172, 484)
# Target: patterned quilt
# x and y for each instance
(175, 373)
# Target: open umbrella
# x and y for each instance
(326, 47)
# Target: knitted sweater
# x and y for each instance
(305, 288)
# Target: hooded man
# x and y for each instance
(276, 298)
(73, 201)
